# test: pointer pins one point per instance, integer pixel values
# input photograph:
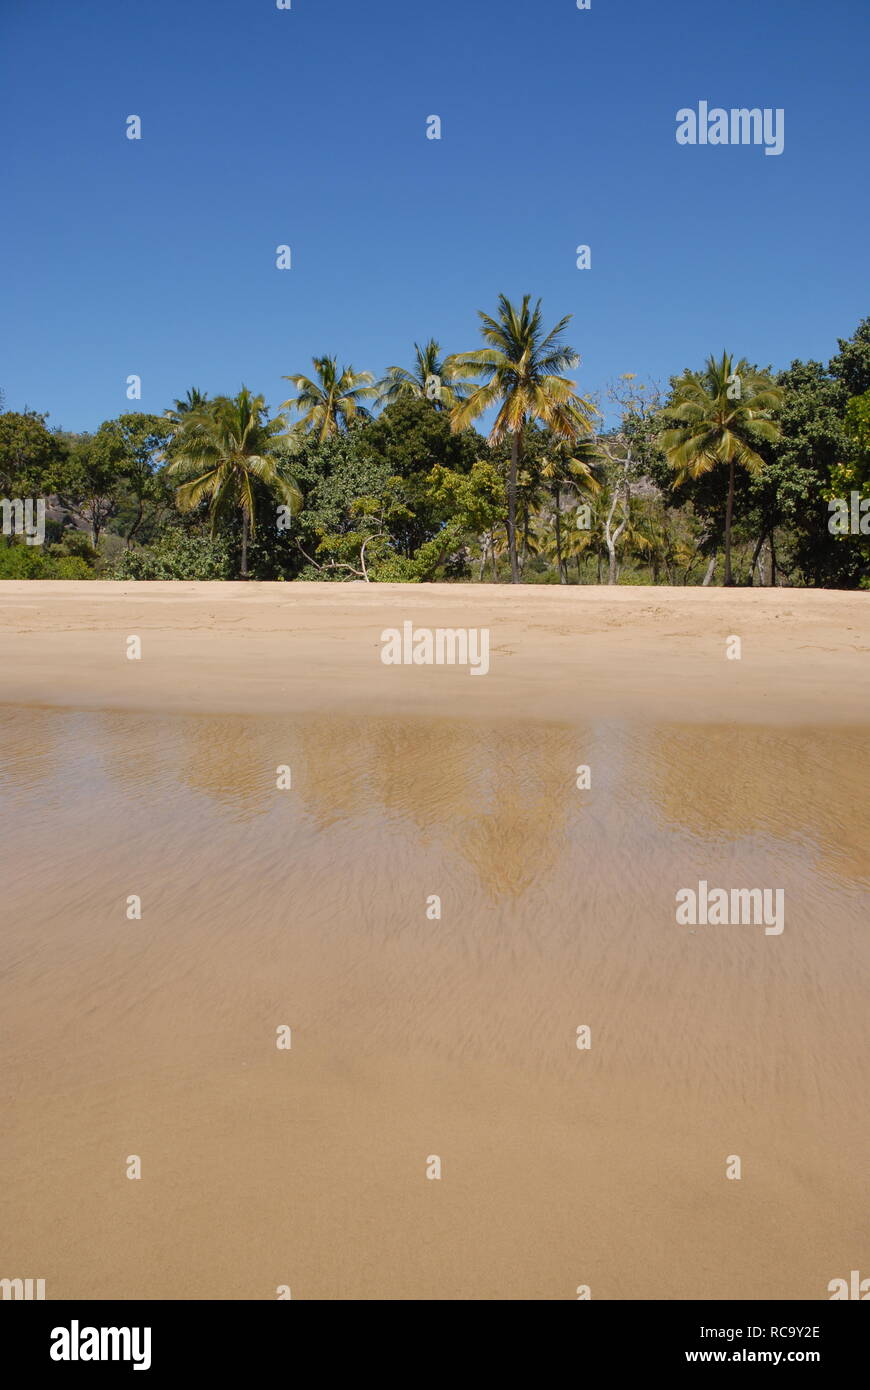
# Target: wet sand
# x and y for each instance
(411, 1037)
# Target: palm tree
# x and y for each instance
(194, 401)
(333, 401)
(723, 413)
(398, 383)
(574, 545)
(228, 444)
(560, 470)
(523, 368)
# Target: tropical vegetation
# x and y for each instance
(488, 464)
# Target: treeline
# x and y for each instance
(731, 473)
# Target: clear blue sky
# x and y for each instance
(307, 127)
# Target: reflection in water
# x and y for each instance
(412, 1035)
(732, 780)
(503, 799)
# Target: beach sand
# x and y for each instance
(556, 652)
(413, 1036)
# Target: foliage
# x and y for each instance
(30, 455)
(332, 400)
(215, 487)
(524, 376)
(225, 454)
(177, 554)
(20, 561)
(720, 416)
(433, 378)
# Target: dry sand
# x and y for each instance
(414, 1037)
(556, 653)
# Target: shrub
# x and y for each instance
(29, 562)
(176, 555)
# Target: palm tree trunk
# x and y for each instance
(512, 506)
(244, 573)
(525, 554)
(772, 561)
(755, 555)
(729, 512)
(563, 578)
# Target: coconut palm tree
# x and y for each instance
(330, 403)
(523, 369)
(194, 400)
(448, 388)
(228, 445)
(179, 411)
(560, 470)
(574, 544)
(719, 416)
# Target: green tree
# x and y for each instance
(523, 369)
(333, 401)
(432, 378)
(560, 470)
(814, 459)
(193, 402)
(92, 477)
(858, 420)
(720, 416)
(143, 440)
(229, 447)
(30, 455)
(411, 439)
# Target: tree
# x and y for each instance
(628, 450)
(194, 400)
(431, 378)
(561, 470)
(474, 502)
(814, 459)
(410, 439)
(143, 440)
(364, 539)
(229, 445)
(92, 478)
(176, 415)
(858, 420)
(721, 416)
(30, 455)
(523, 367)
(332, 402)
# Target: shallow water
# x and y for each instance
(413, 1037)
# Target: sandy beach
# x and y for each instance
(556, 652)
(416, 1036)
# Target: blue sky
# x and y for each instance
(307, 127)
